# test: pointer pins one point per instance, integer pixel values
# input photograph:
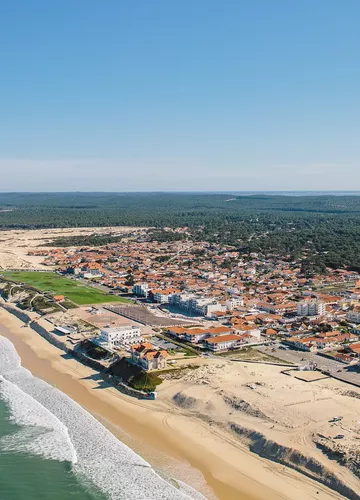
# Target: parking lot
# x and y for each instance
(335, 368)
(141, 314)
(164, 344)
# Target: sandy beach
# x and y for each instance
(209, 459)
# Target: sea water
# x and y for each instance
(50, 447)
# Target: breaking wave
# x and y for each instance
(56, 427)
(41, 433)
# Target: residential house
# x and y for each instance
(223, 342)
(148, 358)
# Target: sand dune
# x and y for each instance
(15, 244)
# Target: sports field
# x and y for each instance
(60, 285)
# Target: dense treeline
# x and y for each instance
(321, 230)
(92, 240)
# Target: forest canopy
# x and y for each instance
(321, 230)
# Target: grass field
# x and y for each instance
(59, 285)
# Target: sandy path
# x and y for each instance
(155, 429)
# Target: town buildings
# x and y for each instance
(223, 343)
(354, 315)
(311, 308)
(141, 289)
(256, 297)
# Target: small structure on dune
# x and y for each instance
(308, 368)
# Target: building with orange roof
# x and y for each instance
(223, 342)
(148, 358)
(59, 298)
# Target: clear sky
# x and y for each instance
(146, 95)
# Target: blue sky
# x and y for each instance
(147, 95)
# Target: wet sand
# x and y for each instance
(227, 471)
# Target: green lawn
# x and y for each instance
(60, 285)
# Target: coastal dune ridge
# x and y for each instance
(56, 427)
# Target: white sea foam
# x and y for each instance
(63, 424)
(41, 432)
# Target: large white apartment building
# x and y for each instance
(311, 308)
(141, 289)
(161, 297)
(202, 306)
(181, 300)
(120, 336)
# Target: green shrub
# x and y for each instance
(145, 381)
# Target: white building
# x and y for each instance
(234, 302)
(181, 300)
(354, 316)
(223, 342)
(205, 306)
(161, 297)
(141, 289)
(202, 306)
(311, 308)
(120, 336)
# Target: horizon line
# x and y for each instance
(163, 191)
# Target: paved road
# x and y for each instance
(335, 368)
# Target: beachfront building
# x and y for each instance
(251, 330)
(222, 342)
(161, 296)
(310, 308)
(119, 337)
(141, 289)
(148, 358)
(197, 335)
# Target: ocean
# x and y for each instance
(24, 475)
(50, 447)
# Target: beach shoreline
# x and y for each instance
(229, 470)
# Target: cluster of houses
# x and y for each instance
(216, 339)
(252, 298)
